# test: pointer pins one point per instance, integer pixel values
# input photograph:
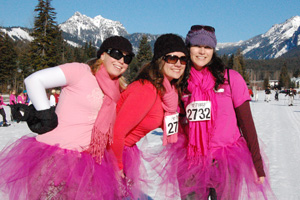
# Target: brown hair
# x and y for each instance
(153, 72)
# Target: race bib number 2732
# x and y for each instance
(198, 111)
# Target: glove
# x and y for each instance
(38, 121)
(22, 112)
(43, 121)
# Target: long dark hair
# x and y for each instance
(217, 68)
(153, 72)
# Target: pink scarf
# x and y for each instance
(102, 133)
(169, 104)
(200, 85)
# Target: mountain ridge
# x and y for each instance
(278, 41)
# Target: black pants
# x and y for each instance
(2, 112)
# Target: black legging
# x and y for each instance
(2, 112)
(212, 194)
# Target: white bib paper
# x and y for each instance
(171, 122)
(198, 111)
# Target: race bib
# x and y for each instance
(171, 122)
(198, 111)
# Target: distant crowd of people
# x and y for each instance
(291, 93)
(22, 98)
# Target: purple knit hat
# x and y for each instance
(201, 35)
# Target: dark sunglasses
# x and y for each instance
(117, 54)
(199, 27)
(173, 59)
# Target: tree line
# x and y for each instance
(19, 59)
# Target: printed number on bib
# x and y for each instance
(171, 122)
(198, 111)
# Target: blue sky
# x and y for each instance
(234, 20)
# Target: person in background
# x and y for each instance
(12, 101)
(52, 98)
(21, 98)
(291, 93)
(56, 95)
(250, 92)
(219, 159)
(276, 94)
(2, 111)
(145, 105)
(268, 94)
(69, 159)
(255, 92)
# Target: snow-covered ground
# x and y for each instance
(278, 127)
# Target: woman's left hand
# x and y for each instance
(261, 180)
(121, 173)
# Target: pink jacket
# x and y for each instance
(12, 99)
(1, 102)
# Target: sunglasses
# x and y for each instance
(117, 54)
(171, 59)
(199, 27)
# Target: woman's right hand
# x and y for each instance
(121, 173)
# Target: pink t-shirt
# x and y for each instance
(79, 103)
(226, 130)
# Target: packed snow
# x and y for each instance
(278, 129)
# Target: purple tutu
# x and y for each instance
(229, 170)
(136, 182)
(33, 170)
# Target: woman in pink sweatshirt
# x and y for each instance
(68, 158)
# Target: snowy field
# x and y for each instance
(278, 128)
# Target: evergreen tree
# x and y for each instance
(225, 59)
(266, 79)
(239, 65)
(143, 56)
(284, 78)
(8, 62)
(296, 73)
(46, 50)
(91, 51)
(230, 61)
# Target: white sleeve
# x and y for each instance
(38, 82)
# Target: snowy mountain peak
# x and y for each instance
(278, 40)
(95, 29)
(286, 29)
(17, 33)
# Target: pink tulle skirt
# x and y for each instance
(229, 171)
(33, 170)
(136, 183)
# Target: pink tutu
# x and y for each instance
(136, 183)
(229, 170)
(33, 170)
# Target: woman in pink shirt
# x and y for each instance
(68, 158)
(221, 157)
(12, 97)
(145, 105)
(12, 101)
(20, 97)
